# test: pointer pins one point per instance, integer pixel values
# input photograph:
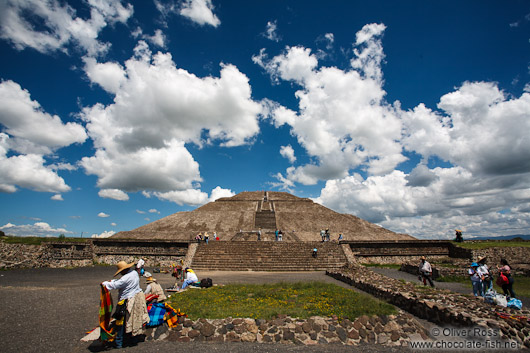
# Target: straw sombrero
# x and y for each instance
(150, 279)
(122, 265)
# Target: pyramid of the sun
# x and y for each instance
(300, 219)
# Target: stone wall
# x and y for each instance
(441, 307)
(392, 330)
(90, 252)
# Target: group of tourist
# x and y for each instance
(205, 237)
(480, 275)
(325, 235)
(278, 235)
(482, 278)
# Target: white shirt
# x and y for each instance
(191, 276)
(128, 285)
(426, 267)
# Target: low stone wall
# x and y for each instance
(22, 256)
(437, 272)
(392, 330)
(74, 254)
(387, 260)
(439, 306)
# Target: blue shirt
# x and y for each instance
(128, 285)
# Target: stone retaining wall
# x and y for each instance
(66, 254)
(439, 306)
(391, 330)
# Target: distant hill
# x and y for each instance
(503, 237)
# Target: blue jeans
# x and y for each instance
(119, 335)
(477, 288)
(186, 283)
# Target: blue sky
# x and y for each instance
(413, 115)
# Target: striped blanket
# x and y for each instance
(156, 312)
(105, 312)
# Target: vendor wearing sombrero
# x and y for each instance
(154, 288)
(131, 311)
(487, 280)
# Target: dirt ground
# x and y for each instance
(50, 310)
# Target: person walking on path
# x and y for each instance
(131, 311)
(206, 237)
(323, 235)
(476, 279)
(506, 270)
(259, 234)
(425, 270)
(280, 235)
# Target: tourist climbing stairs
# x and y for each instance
(267, 256)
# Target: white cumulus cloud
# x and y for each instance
(200, 11)
(51, 25)
(158, 108)
(38, 229)
(103, 215)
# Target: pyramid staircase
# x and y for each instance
(267, 256)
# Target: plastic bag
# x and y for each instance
(501, 300)
(489, 297)
(515, 303)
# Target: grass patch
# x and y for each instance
(301, 300)
(38, 240)
(455, 279)
(394, 266)
(493, 244)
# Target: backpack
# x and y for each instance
(502, 279)
(206, 283)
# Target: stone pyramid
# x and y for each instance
(239, 216)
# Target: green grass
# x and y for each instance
(301, 300)
(395, 266)
(38, 240)
(493, 244)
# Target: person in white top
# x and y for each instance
(425, 270)
(487, 281)
(191, 277)
(128, 287)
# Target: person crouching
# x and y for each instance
(154, 288)
(131, 311)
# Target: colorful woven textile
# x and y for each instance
(172, 315)
(508, 316)
(105, 312)
(156, 313)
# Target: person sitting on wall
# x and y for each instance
(425, 270)
(191, 278)
(154, 288)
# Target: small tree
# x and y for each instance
(62, 236)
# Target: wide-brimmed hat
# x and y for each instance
(481, 259)
(422, 258)
(150, 279)
(122, 265)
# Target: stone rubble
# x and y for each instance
(442, 307)
(388, 330)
